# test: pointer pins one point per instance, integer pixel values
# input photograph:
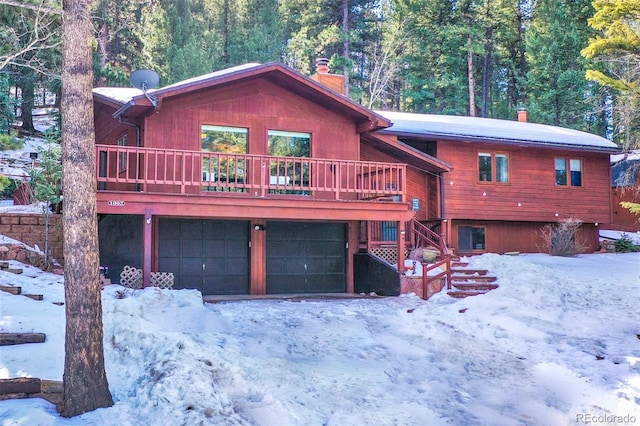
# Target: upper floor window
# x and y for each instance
(224, 172)
(568, 172)
(493, 167)
(229, 140)
(122, 157)
(289, 175)
(289, 144)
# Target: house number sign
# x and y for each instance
(116, 203)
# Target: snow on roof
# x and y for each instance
(490, 129)
(123, 95)
(205, 77)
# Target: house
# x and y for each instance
(510, 178)
(260, 180)
(625, 181)
(252, 180)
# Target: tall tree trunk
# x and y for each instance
(26, 107)
(472, 80)
(345, 45)
(85, 380)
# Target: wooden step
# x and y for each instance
(16, 271)
(484, 278)
(4, 264)
(11, 289)
(8, 339)
(469, 271)
(475, 286)
(456, 264)
(461, 294)
(34, 296)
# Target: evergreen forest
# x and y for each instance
(571, 63)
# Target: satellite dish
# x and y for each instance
(144, 79)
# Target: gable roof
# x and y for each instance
(133, 102)
(449, 127)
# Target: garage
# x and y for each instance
(208, 255)
(306, 257)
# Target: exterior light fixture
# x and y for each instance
(258, 227)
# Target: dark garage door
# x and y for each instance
(306, 258)
(208, 255)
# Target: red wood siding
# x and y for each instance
(502, 237)
(531, 194)
(623, 219)
(420, 185)
(257, 105)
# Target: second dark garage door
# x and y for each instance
(306, 257)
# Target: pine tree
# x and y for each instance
(85, 380)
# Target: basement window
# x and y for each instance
(471, 238)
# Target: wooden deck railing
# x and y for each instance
(175, 171)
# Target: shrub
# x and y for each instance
(561, 239)
(625, 245)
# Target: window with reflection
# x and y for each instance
(568, 172)
(290, 173)
(224, 170)
(493, 167)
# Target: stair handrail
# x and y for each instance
(445, 274)
(423, 232)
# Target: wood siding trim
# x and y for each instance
(176, 205)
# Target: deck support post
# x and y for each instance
(401, 245)
(146, 249)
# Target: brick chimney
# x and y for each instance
(334, 82)
(523, 115)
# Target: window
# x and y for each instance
(289, 172)
(122, 156)
(224, 172)
(568, 172)
(484, 167)
(493, 167)
(471, 238)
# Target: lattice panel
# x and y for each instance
(162, 279)
(389, 254)
(131, 277)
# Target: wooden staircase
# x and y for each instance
(467, 282)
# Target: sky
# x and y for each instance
(558, 341)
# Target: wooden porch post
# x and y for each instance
(401, 245)
(258, 268)
(146, 249)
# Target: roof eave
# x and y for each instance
(458, 137)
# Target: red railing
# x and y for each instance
(445, 273)
(422, 236)
(170, 171)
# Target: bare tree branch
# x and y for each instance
(29, 6)
(43, 36)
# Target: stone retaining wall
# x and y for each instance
(29, 228)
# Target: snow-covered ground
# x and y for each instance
(557, 342)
